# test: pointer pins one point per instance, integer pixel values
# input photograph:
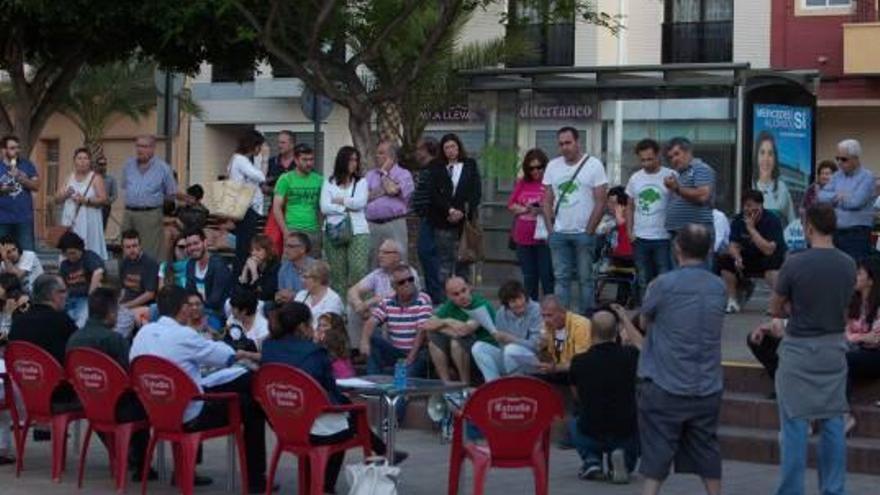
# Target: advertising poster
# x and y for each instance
(782, 160)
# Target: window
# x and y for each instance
(552, 41)
(827, 3)
(698, 31)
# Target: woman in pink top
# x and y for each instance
(525, 204)
(863, 328)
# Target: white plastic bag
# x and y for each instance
(540, 229)
(373, 477)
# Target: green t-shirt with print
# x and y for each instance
(302, 195)
(450, 310)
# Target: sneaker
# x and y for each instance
(732, 307)
(591, 472)
(619, 472)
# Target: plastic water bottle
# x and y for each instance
(400, 374)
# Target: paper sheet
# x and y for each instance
(355, 383)
(481, 315)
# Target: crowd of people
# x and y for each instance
(326, 286)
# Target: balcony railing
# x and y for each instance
(697, 42)
(552, 45)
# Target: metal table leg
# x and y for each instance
(391, 422)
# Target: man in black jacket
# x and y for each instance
(46, 324)
(208, 275)
(455, 193)
(604, 381)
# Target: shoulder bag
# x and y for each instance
(56, 232)
(341, 233)
(541, 231)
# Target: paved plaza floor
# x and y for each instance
(424, 473)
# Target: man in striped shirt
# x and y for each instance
(401, 314)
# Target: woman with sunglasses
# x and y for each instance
(525, 204)
(174, 272)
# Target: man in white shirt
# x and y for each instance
(22, 263)
(573, 207)
(646, 214)
(169, 338)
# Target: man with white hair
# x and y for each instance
(851, 192)
(390, 187)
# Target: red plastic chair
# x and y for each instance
(165, 390)
(292, 401)
(515, 415)
(99, 382)
(37, 374)
(8, 403)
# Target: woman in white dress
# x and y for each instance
(318, 295)
(83, 196)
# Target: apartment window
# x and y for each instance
(698, 31)
(827, 3)
(552, 41)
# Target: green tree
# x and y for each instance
(100, 94)
(338, 47)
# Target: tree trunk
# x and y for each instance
(362, 135)
(23, 131)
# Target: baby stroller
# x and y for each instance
(612, 267)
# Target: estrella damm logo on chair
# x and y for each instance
(91, 379)
(158, 387)
(284, 396)
(29, 372)
(512, 412)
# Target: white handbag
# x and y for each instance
(373, 477)
(540, 229)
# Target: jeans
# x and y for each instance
(77, 309)
(652, 258)
(854, 241)
(591, 449)
(383, 355)
(244, 231)
(570, 252)
(23, 232)
(446, 249)
(537, 267)
(427, 251)
(495, 362)
(831, 456)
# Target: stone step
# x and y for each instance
(750, 378)
(756, 411)
(759, 445)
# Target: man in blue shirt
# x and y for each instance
(851, 192)
(679, 397)
(18, 178)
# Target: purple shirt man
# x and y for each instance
(390, 187)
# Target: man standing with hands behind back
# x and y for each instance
(18, 178)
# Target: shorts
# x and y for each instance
(683, 429)
(752, 267)
(444, 341)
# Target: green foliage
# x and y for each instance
(501, 162)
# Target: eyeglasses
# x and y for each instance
(386, 251)
(539, 167)
(404, 281)
(843, 159)
(180, 246)
(293, 246)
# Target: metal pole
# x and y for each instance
(319, 147)
(167, 120)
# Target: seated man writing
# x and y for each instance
(756, 249)
(455, 328)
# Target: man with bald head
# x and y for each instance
(455, 327)
(147, 181)
(603, 379)
(851, 192)
(565, 335)
(679, 393)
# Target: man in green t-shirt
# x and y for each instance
(297, 194)
(455, 327)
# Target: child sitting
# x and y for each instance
(331, 333)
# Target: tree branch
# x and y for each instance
(372, 50)
(449, 11)
(315, 38)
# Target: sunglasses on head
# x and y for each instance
(404, 281)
